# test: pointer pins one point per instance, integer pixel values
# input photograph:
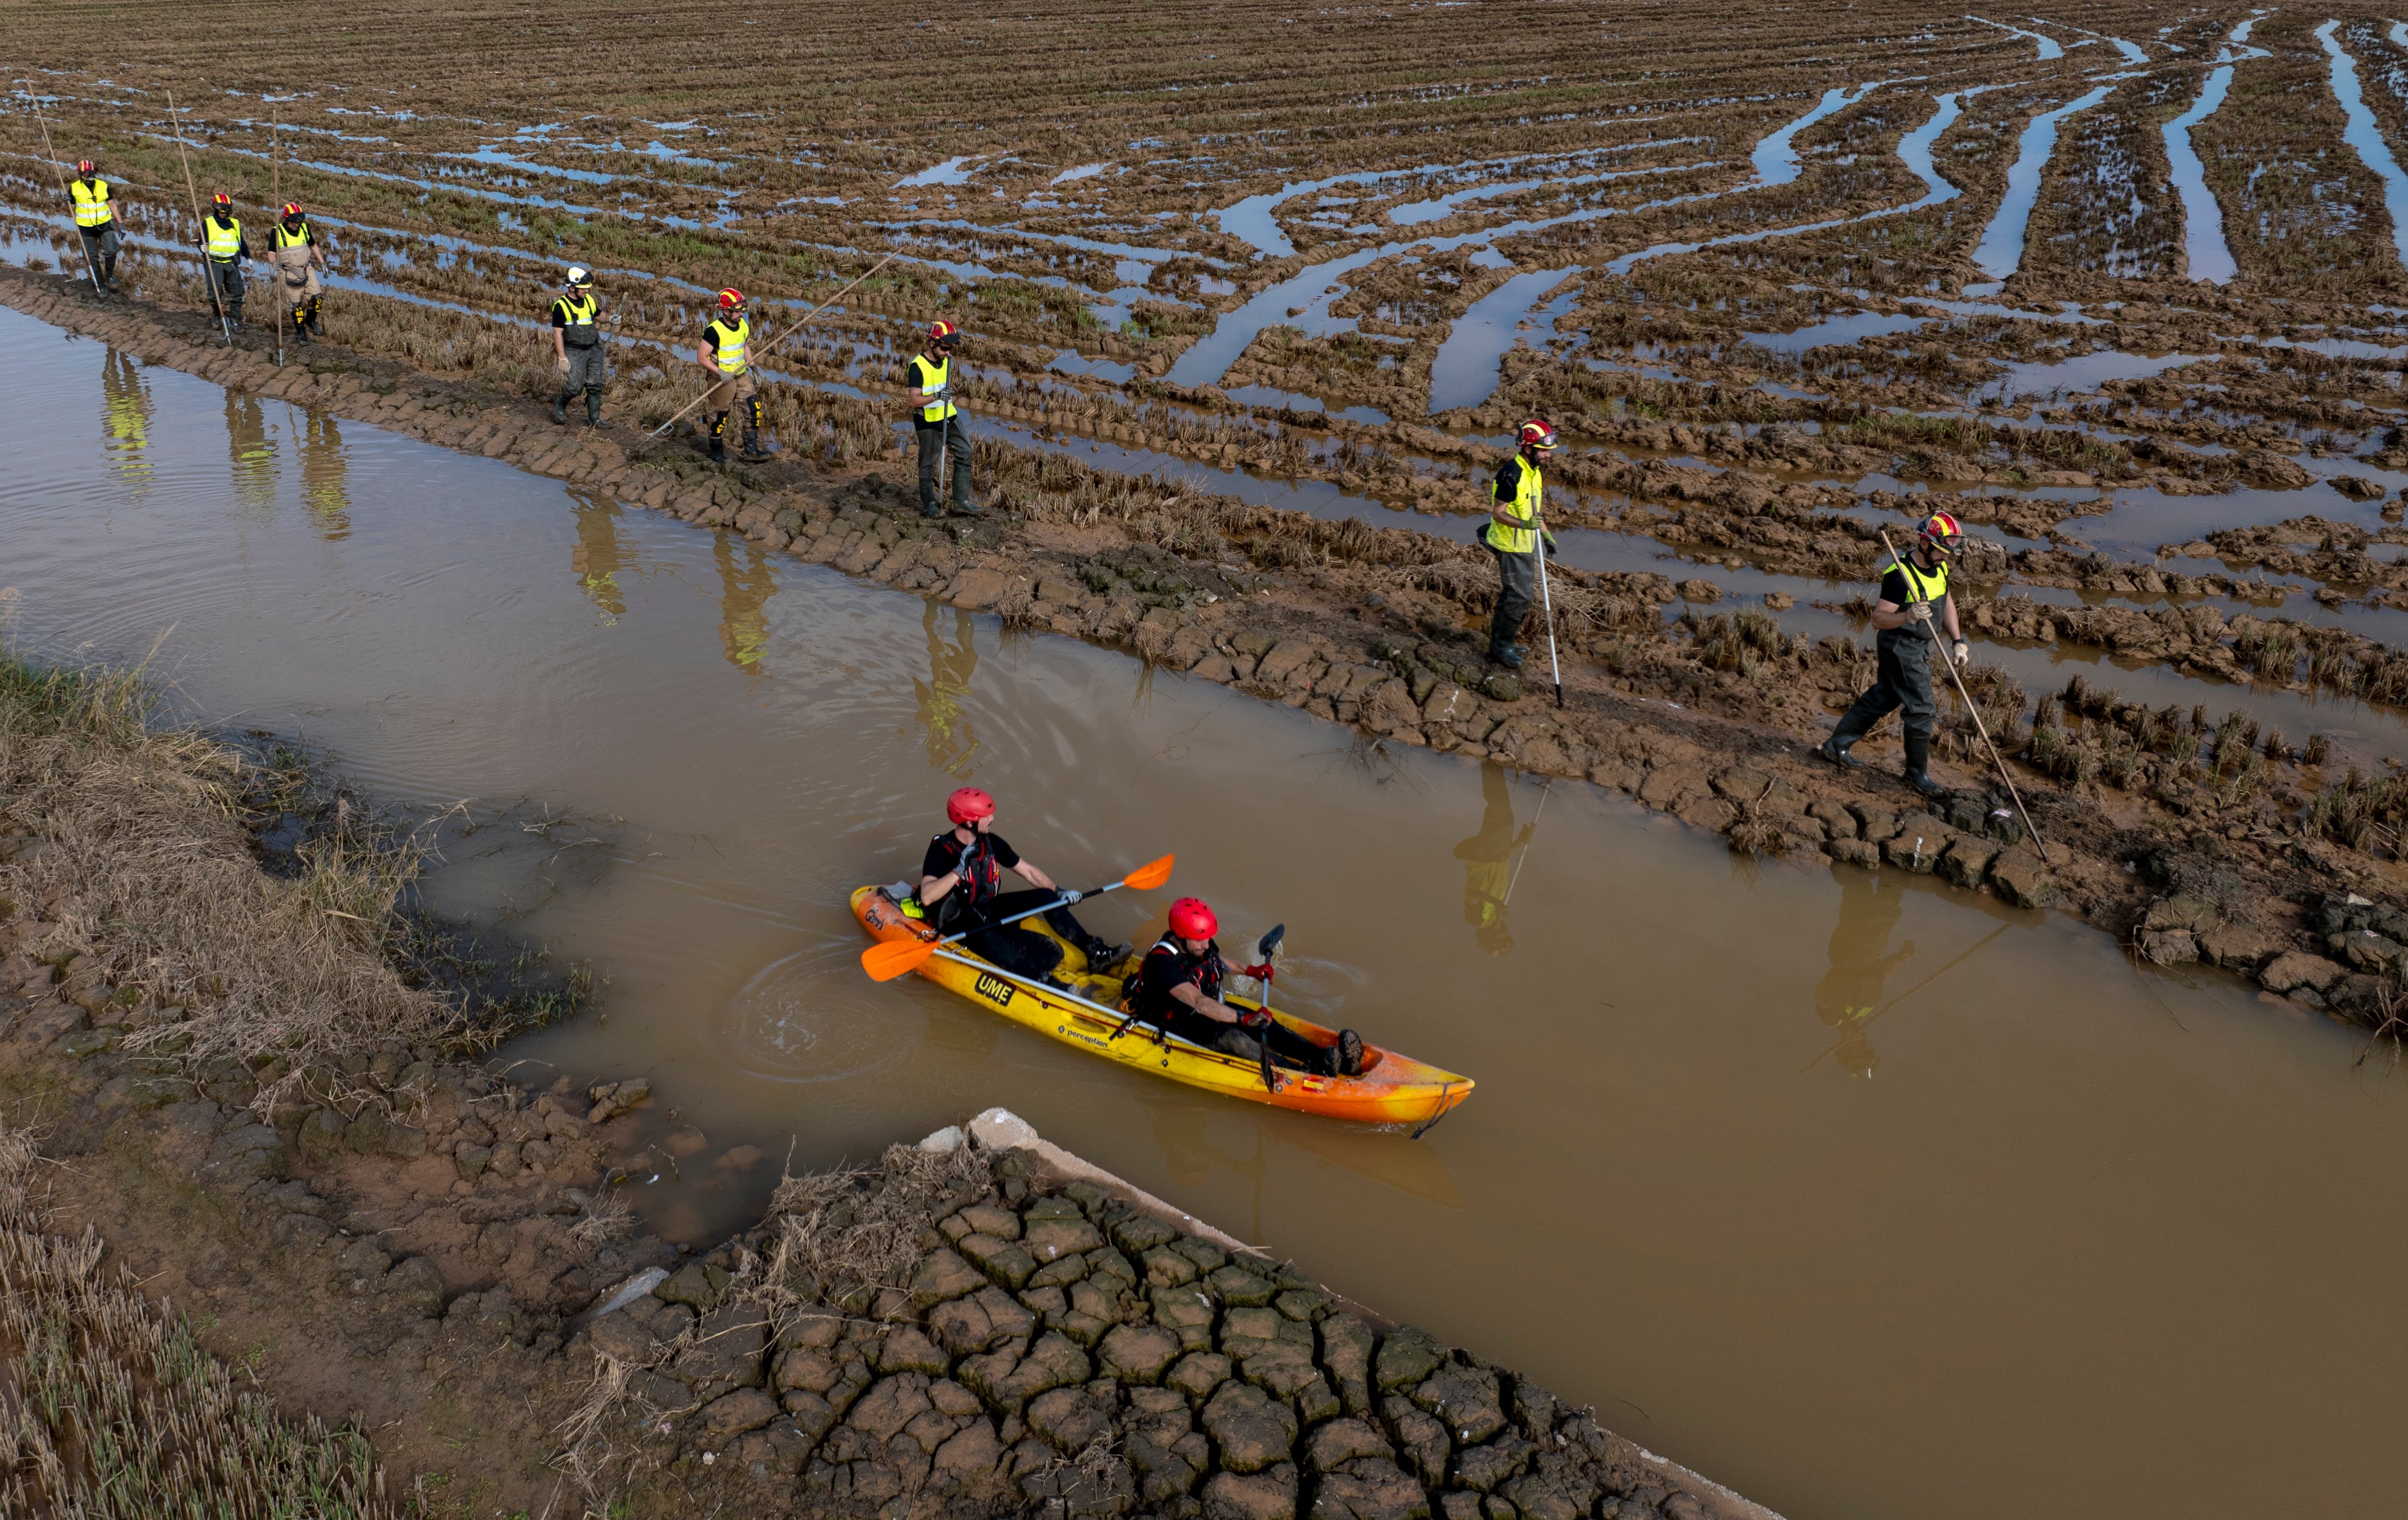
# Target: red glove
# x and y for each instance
(1253, 1018)
(1257, 972)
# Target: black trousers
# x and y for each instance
(1010, 946)
(940, 442)
(227, 273)
(1288, 1048)
(1901, 685)
(1517, 577)
(100, 246)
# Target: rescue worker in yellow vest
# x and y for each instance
(228, 254)
(722, 353)
(1912, 589)
(1512, 534)
(293, 254)
(937, 422)
(95, 222)
(577, 347)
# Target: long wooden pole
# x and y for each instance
(1979, 726)
(60, 172)
(201, 228)
(767, 348)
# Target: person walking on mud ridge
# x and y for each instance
(722, 353)
(293, 251)
(95, 222)
(1512, 534)
(576, 349)
(1911, 588)
(961, 887)
(228, 253)
(937, 422)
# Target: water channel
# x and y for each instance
(1861, 1194)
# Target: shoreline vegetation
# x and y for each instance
(303, 1249)
(2191, 837)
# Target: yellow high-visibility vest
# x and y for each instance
(1524, 539)
(727, 344)
(91, 201)
(1923, 585)
(293, 239)
(932, 377)
(577, 321)
(224, 238)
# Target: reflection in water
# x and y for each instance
(325, 484)
(596, 558)
(126, 421)
(247, 447)
(743, 627)
(944, 697)
(1870, 905)
(1485, 856)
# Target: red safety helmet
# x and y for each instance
(731, 299)
(292, 210)
(1190, 919)
(221, 198)
(969, 805)
(943, 334)
(1940, 532)
(83, 168)
(1537, 434)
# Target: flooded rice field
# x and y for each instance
(1852, 1191)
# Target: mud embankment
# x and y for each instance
(2151, 817)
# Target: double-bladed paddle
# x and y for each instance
(891, 958)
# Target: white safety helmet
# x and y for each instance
(580, 276)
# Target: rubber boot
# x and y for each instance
(1919, 761)
(300, 325)
(560, 408)
(594, 409)
(1508, 655)
(1836, 752)
(316, 326)
(719, 438)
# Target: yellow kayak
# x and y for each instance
(1393, 1089)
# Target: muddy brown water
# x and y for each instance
(2039, 1233)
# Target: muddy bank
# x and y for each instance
(1708, 717)
(388, 1236)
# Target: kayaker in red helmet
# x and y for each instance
(961, 887)
(1177, 989)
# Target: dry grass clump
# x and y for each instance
(109, 1409)
(838, 1237)
(141, 868)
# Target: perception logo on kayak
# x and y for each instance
(994, 990)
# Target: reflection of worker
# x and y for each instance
(254, 457)
(1870, 905)
(326, 486)
(596, 558)
(125, 419)
(743, 627)
(943, 696)
(1485, 856)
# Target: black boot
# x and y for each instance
(719, 438)
(560, 408)
(1349, 1053)
(594, 409)
(1836, 752)
(1918, 762)
(315, 325)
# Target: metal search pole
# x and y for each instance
(767, 348)
(1547, 602)
(60, 172)
(1979, 726)
(202, 231)
(275, 210)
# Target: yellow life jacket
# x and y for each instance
(932, 377)
(1521, 541)
(727, 344)
(293, 239)
(91, 201)
(1922, 585)
(224, 238)
(577, 330)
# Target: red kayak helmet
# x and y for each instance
(1190, 919)
(969, 805)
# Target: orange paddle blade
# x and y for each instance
(891, 958)
(1151, 875)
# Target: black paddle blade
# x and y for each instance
(1269, 945)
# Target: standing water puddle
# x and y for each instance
(2001, 250)
(2362, 135)
(2204, 246)
(2076, 1197)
